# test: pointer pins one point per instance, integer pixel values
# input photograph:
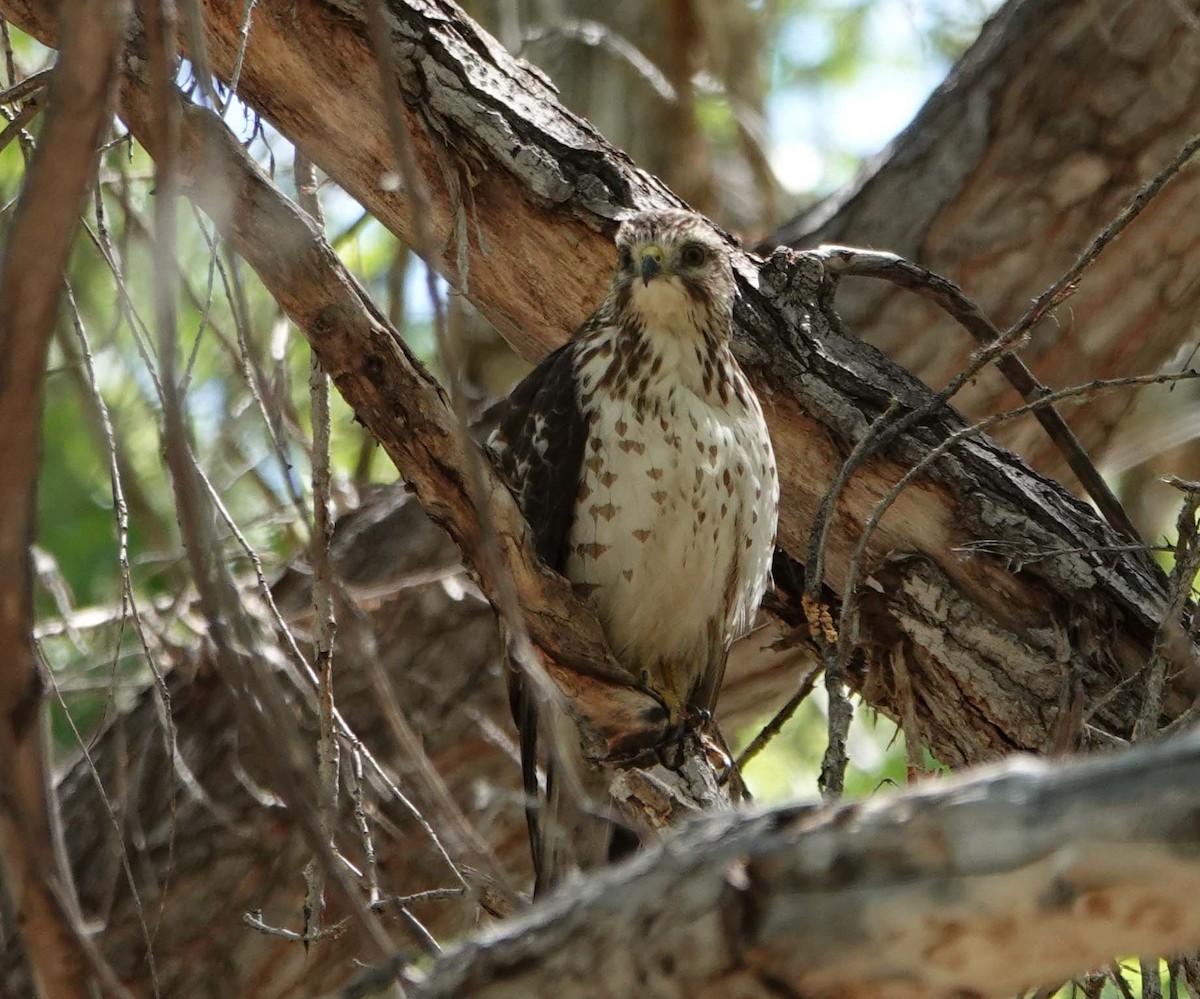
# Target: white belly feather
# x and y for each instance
(675, 528)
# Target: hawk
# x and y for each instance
(639, 455)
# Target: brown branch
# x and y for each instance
(36, 877)
(14, 127)
(27, 87)
(324, 621)
(356, 344)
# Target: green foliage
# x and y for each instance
(787, 768)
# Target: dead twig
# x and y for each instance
(27, 87)
(845, 260)
(1172, 643)
(324, 624)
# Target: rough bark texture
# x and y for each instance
(1036, 139)
(985, 887)
(529, 192)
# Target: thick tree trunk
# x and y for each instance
(1038, 137)
(529, 192)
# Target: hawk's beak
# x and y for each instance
(651, 263)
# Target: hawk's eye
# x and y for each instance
(625, 259)
(692, 255)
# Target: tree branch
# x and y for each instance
(1016, 876)
(35, 875)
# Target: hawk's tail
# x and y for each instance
(568, 832)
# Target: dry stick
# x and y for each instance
(137, 325)
(153, 526)
(32, 854)
(847, 260)
(324, 849)
(17, 123)
(129, 605)
(27, 87)
(370, 860)
(1151, 983)
(117, 819)
(10, 66)
(205, 307)
(243, 42)
(1172, 632)
(323, 625)
(1117, 977)
(193, 27)
(781, 717)
(254, 376)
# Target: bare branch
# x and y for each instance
(324, 622)
(35, 874)
(870, 263)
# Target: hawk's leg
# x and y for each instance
(691, 720)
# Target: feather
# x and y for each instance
(539, 447)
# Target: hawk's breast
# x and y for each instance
(674, 522)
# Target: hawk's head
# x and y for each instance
(674, 271)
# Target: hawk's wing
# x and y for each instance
(539, 445)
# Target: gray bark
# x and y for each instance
(1021, 876)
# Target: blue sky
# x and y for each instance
(815, 130)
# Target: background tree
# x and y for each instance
(178, 765)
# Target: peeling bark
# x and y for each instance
(1022, 876)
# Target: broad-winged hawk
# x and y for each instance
(640, 457)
